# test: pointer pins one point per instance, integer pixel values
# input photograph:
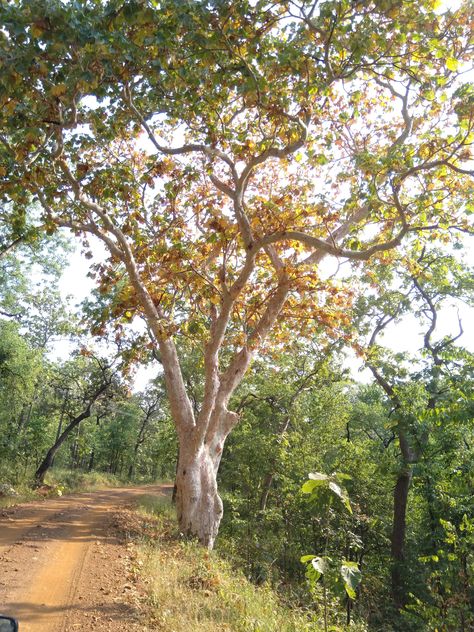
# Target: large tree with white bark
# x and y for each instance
(221, 151)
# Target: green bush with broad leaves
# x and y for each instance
(336, 574)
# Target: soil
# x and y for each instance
(66, 566)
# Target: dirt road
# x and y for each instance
(63, 568)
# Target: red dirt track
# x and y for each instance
(63, 568)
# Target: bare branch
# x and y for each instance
(211, 152)
(408, 120)
(11, 246)
(328, 248)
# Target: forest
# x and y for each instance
(273, 202)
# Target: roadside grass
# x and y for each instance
(192, 589)
(60, 481)
(69, 481)
(10, 496)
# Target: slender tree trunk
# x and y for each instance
(131, 469)
(268, 480)
(49, 458)
(74, 423)
(266, 486)
(175, 486)
(400, 502)
(21, 419)
(139, 441)
(91, 460)
(60, 425)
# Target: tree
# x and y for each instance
(20, 368)
(425, 391)
(290, 409)
(149, 404)
(309, 130)
(83, 392)
(29, 285)
(326, 493)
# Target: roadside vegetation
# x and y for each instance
(403, 445)
(409, 531)
(57, 483)
(189, 588)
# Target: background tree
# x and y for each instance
(426, 391)
(20, 368)
(86, 384)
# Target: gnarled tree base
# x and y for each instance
(199, 506)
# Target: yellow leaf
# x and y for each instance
(452, 64)
(58, 90)
(36, 31)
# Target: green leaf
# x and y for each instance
(315, 567)
(307, 558)
(351, 576)
(315, 480)
(341, 494)
(319, 564)
(308, 486)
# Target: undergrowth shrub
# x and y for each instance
(192, 589)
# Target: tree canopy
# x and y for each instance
(221, 151)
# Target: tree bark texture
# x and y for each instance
(198, 504)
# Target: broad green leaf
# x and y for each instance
(307, 558)
(308, 487)
(351, 577)
(315, 480)
(341, 493)
(319, 564)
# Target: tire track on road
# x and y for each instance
(50, 549)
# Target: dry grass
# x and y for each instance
(192, 590)
(77, 481)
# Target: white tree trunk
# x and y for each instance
(199, 506)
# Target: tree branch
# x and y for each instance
(211, 152)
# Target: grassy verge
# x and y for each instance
(10, 496)
(189, 589)
(57, 483)
(70, 481)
